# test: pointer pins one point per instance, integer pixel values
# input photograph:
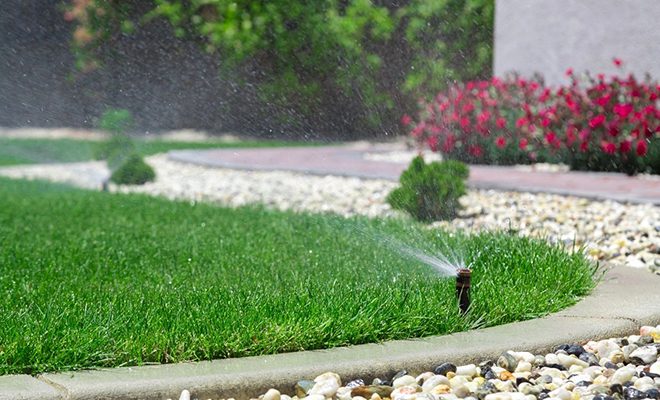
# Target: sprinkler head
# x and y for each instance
(463, 289)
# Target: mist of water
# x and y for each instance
(446, 263)
(442, 264)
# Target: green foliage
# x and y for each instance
(653, 158)
(355, 60)
(449, 41)
(133, 171)
(430, 192)
(115, 149)
(119, 146)
(116, 120)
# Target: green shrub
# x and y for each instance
(116, 120)
(652, 161)
(119, 146)
(133, 171)
(115, 150)
(430, 192)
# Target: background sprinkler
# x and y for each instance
(463, 289)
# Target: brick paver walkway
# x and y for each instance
(349, 160)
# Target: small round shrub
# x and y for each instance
(430, 192)
(133, 171)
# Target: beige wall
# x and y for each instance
(549, 36)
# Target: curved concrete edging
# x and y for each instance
(625, 300)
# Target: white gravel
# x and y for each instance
(608, 230)
(625, 368)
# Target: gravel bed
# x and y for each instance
(611, 369)
(609, 231)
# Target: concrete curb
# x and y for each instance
(625, 300)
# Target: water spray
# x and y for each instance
(463, 289)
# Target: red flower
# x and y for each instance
(613, 129)
(570, 135)
(623, 110)
(523, 144)
(602, 101)
(433, 143)
(500, 142)
(522, 121)
(617, 62)
(625, 146)
(584, 135)
(419, 129)
(641, 148)
(544, 96)
(584, 146)
(550, 137)
(596, 121)
(406, 120)
(448, 144)
(465, 123)
(609, 148)
(501, 123)
(483, 117)
(475, 151)
(569, 72)
(545, 122)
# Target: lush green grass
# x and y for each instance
(31, 151)
(93, 279)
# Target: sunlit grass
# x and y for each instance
(31, 151)
(93, 279)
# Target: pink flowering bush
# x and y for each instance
(595, 123)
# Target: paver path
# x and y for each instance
(349, 160)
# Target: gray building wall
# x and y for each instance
(549, 36)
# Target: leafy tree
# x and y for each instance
(360, 62)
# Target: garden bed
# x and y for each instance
(94, 279)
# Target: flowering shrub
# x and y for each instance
(591, 124)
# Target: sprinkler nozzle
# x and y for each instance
(463, 289)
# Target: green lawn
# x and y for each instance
(91, 279)
(30, 151)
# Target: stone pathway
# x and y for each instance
(350, 160)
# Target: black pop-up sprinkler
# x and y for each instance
(463, 289)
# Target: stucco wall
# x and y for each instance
(549, 36)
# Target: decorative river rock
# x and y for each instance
(611, 369)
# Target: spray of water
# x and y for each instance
(442, 264)
(445, 264)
